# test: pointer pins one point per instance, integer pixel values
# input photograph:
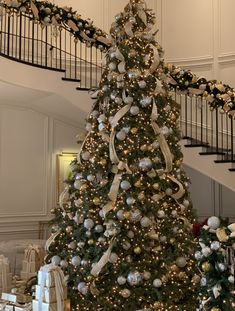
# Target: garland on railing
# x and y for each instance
(219, 95)
(47, 13)
(183, 81)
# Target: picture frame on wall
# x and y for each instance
(63, 171)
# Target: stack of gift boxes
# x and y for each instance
(5, 275)
(51, 290)
(33, 259)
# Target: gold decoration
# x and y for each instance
(69, 229)
(137, 250)
(137, 184)
(173, 117)
(127, 214)
(143, 147)
(174, 268)
(103, 162)
(83, 187)
(178, 163)
(156, 186)
(215, 309)
(134, 130)
(182, 275)
(221, 235)
(206, 266)
(96, 201)
(90, 242)
(89, 278)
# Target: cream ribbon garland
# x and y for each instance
(62, 197)
(72, 25)
(95, 271)
(34, 9)
(51, 240)
(81, 149)
(176, 196)
(162, 141)
(128, 29)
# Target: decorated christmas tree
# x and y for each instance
(124, 232)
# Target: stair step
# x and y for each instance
(213, 151)
(226, 159)
(70, 79)
(232, 169)
(195, 143)
(82, 88)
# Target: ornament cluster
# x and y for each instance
(216, 261)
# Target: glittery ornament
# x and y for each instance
(125, 185)
(125, 293)
(137, 250)
(55, 260)
(134, 278)
(157, 283)
(121, 280)
(206, 266)
(76, 260)
(181, 262)
(96, 201)
(83, 288)
(213, 222)
(134, 110)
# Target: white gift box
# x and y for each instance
(49, 280)
(49, 294)
(50, 306)
(9, 297)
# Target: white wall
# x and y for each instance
(29, 142)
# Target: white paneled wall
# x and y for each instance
(29, 142)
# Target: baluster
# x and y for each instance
(20, 36)
(46, 33)
(91, 67)
(8, 35)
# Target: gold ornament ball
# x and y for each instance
(90, 242)
(172, 240)
(215, 309)
(134, 130)
(89, 278)
(173, 117)
(137, 250)
(143, 147)
(182, 275)
(69, 229)
(137, 184)
(178, 163)
(156, 186)
(103, 162)
(174, 268)
(157, 304)
(83, 187)
(127, 215)
(206, 266)
(96, 201)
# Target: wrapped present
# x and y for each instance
(51, 290)
(11, 306)
(33, 259)
(49, 294)
(5, 275)
(9, 297)
(51, 306)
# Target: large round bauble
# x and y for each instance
(76, 260)
(73, 245)
(96, 201)
(121, 135)
(157, 283)
(125, 185)
(83, 288)
(99, 228)
(55, 260)
(206, 266)
(130, 201)
(206, 251)
(86, 155)
(125, 293)
(128, 100)
(145, 222)
(213, 222)
(145, 164)
(113, 258)
(161, 214)
(118, 100)
(134, 110)
(181, 262)
(231, 279)
(78, 184)
(64, 264)
(130, 234)
(89, 223)
(90, 177)
(121, 280)
(134, 278)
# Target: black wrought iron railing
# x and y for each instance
(211, 129)
(52, 47)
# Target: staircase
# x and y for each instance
(205, 132)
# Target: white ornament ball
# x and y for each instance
(55, 260)
(121, 135)
(125, 185)
(73, 245)
(198, 255)
(174, 214)
(64, 263)
(145, 222)
(181, 262)
(101, 127)
(76, 260)
(169, 191)
(113, 258)
(118, 100)
(155, 144)
(83, 288)
(120, 214)
(134, 278)
(206, 251)
(231, 279)
(165, 131)
(161, 214)
(86, 155)
(112, 66)
(99, 228)
(89, 223)
(213, 222)
(145, 164)
(186, 203)
(130, 201)
(163, 239)
(134, 110)
(126, 245)
(130, 234)
(90, 178)
(94, 114)
(121, 280)
(102, 118)
(142, 84)
(125, 293)
(157, 283)
(222, 267)
(88, 233)
(77, 184)
(215, 245)
(128, 100)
